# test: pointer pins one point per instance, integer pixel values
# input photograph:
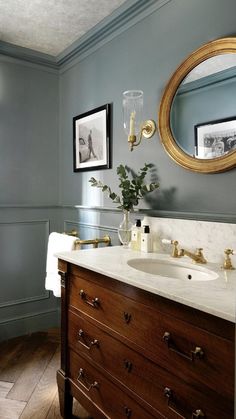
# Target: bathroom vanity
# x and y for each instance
(140, 345)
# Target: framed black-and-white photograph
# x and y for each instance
(216, 138)
(91, 139)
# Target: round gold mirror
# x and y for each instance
(197, 116)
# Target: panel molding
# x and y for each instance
(200, 216)
(25, 206)
(29, 315)
(46, 294)
(217, 217)
(88, 225)
(29, 323)
(46, 222)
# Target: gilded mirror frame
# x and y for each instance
(218, 164)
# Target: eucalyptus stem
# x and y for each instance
(131, 190)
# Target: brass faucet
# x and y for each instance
(196, 257)
(227, 262)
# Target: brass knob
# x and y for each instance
(227, 262)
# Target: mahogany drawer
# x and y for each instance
(170, 342)
(103, 393)
(142, 376)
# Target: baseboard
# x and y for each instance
(33, 322)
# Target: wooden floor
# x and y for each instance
(28, 388)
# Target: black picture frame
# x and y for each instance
(216, 138)
(91, 139)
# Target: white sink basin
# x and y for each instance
(175, 269)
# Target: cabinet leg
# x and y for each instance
(66, 402)
(65, 398)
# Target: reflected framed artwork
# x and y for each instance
(215, 138)
(91, 140)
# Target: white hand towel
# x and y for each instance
(56, 243)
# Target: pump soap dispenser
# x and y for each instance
(146, 240)
(136, 236)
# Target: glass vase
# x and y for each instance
(124, 230)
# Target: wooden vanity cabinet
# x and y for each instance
(128, 353)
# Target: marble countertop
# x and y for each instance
(216, 297)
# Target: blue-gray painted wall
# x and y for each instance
(28, 134)
(37, 182)
(144, 57)
(28, 194)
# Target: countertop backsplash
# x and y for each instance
(213, 237)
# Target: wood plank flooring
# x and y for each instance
(28, 388)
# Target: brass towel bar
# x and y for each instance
(95, 242)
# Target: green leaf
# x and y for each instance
(113, 196)
(131, 189)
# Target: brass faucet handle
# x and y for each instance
(227, 262)
(175, 253)
(199, 253)
(229, 251)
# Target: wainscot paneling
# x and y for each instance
(22, 275)
(25, 305)
(29, 323)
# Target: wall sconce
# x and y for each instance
(134, 126)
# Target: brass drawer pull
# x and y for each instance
(171, 405)
(197, 353)
(127, 317)
(198, 414)
(93, 303)
(88, 346)
(128, 412)
(128, 365)
(88, 386)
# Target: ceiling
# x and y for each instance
(210, 66)
(50, 26)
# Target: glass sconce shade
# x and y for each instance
(133, 111)
(134, 126)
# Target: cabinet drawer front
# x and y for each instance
(141, 375)
(110, 399)
(115, 358)
(189, 352)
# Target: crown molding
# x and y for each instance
(28, 55)
(127, 15)
(224, 76)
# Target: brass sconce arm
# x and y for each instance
(147, 130)
(134, 126)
